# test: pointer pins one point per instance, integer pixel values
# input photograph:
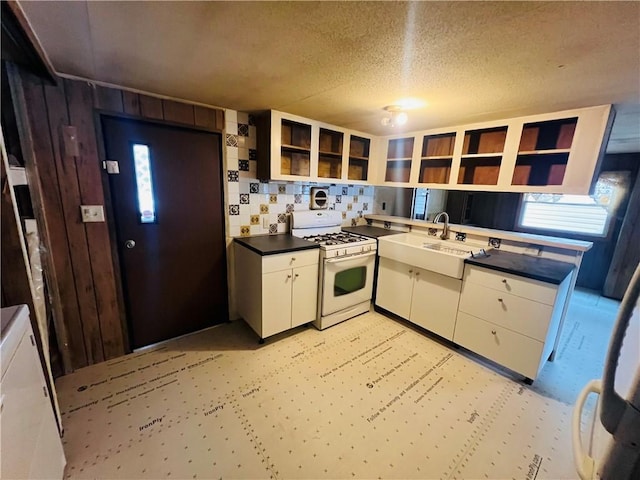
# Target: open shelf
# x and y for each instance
(330, 142)
(399, 155)
(479, 170)
(543, 152)
(398, 171)
(437, 153)
(438, 146)
(296, 134)
(540, 170)
(484, 141)
(295, 156)
(546, 152)
(358, 168)
(329, 166)
(435, 170)
(400, 148)
(295, 163)
(548, 136)
(294, 148)
(358, 158)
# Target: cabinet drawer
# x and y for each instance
(283, 261)
(512, 350)
(515, 313)
(513, 284)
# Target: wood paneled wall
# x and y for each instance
(81, 265)
(626, 255)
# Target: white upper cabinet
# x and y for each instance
(296, 148)
(558, 152)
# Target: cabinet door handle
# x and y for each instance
(44, 390)
(493, 331)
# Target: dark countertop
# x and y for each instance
(272, 244)
(368, 231)
(543, 269)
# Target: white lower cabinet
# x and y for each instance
(395, 287)
(509, 319)
(276, 292)
(31, 445)
(425, 298)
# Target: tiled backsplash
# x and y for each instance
(254, 207)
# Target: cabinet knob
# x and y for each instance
(417, 273)
(289, 276)
(293, 259)
(297, 275)
(500, 300)
(410, 271)
(504, 280)
(493, 331)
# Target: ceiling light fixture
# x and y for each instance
(396, 116)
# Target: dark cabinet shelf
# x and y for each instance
(295, 158)
(296, 134)
(540, 170)
(330, 142)
(329, 166)
(398, 171)
(435, 170)
(294, 148)
(400, 148)
(543, 152)
(293, 163)
(359, 148)
(484, 141)
(438, 146)
(479, 170)
(549, 135)
(399, 155)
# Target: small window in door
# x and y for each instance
(146, 202)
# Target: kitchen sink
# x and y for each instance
(441, 256)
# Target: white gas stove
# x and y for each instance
(323, 227)
(347, 263)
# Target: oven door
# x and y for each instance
(347, 281)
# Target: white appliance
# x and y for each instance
(347, 263)
(612, 450)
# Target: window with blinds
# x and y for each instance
(582, 214)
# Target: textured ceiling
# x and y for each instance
(342, 62)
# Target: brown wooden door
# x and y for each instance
(173, 268)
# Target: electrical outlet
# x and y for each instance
(265, 222)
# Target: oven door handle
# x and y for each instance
(350, 257)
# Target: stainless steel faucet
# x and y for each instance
(445, 230)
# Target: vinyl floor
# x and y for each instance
(372, 397)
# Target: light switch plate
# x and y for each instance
(112, 167)
(92, 213)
